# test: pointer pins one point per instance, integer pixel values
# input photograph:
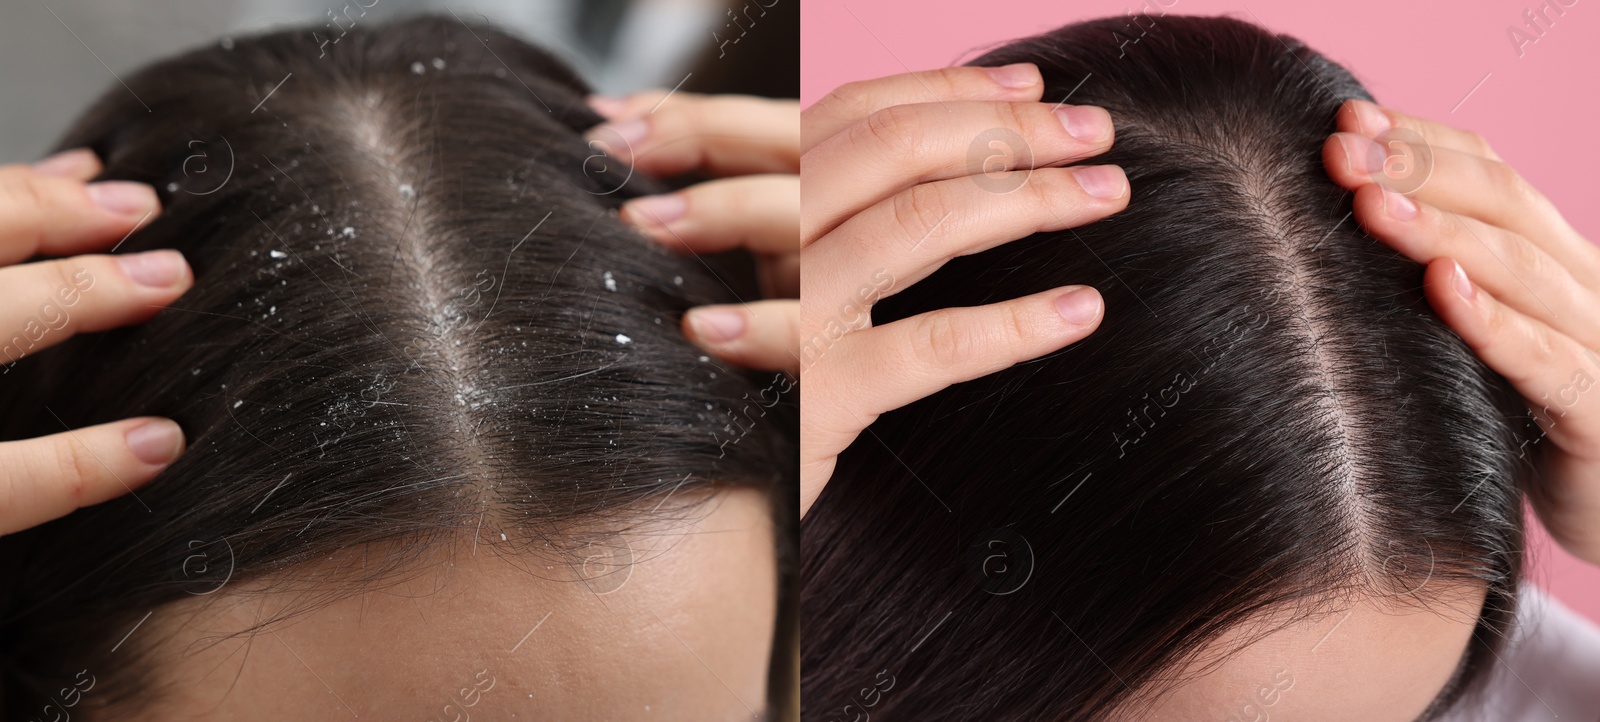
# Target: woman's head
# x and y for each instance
(1272, 482)
(441, 419)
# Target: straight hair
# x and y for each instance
(1269, 417)
(417, 319)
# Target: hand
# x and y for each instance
(49, 209)
(753, 146)
(891, 194)
(1510, 276)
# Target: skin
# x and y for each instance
(1509, 275)
(891, 194)
(1487, 237)
(50, 209)
(687, 635)
(887, 176)
(1379, 659)
(751, 147)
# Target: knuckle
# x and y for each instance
(29, 192)
(949, 82)
(941, 340)
(26, 199)
(1543, 344)
(1534, 342)
(60, 272)
(1480, 144)
(1494, 322)
(896, 130)
(1019, 330)
(1512, 185)
(921, 209)
(72, 470)
(1012, 115)
(1530, 262)
(24, 194)
(847, 101)
(1052, 185)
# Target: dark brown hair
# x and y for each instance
(1269, 414)
(416, 316)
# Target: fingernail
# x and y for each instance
(1085, 122)
(1361, 155)
(1017, 75)
(1374, 122)
(607, 107)
(123, 197)
(654, 211)
(1463, 286)
(156, 269)
(68, 163)
(1079, 306)
(1398, 205)
(627, 132)
(1101, 181)
(157, 441)
(717, 325)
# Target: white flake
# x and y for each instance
(623, 340)
(611, 282)
(277, 254)
(417, 67)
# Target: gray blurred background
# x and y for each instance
(57, 56)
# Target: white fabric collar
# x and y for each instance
(1548, 670)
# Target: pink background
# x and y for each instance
(1538, 110)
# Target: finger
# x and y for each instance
(902, 146)
(78, 164)
(1373, 121)
(1513, 269)
(56, 216)
(889, 366)
(853, 102)
(719, 135)
(1547, 367)
(1456, 182)
(849, 379)
(48, 302)
(759, 212)
(913, 233)
(761, 335)
(49, 477)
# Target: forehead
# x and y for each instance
(1376, 659)
(682, 631)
